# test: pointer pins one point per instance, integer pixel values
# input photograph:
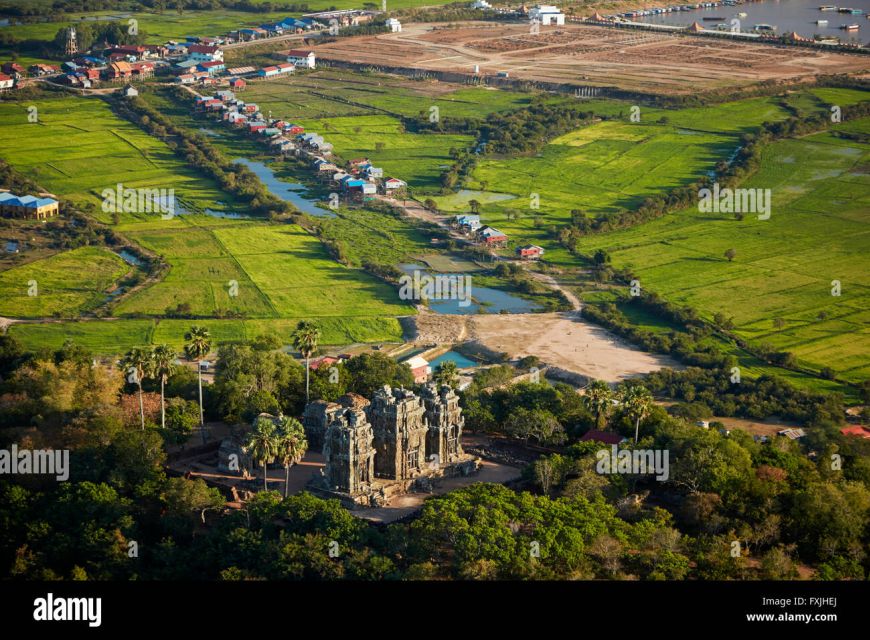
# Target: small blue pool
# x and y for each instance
(452, 356)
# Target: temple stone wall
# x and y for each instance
(397, 417)
(349, 451)
(398, 442)
(318, 415)
(445, 422)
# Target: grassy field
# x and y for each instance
(606, 167)
(415, 158)
(111, 337)
(359, 113)
(78, 148)
(59, 285)
(366, 235)
(354, 131)
(328, 92)
(271, 274)
(169, 25)
(778, 288)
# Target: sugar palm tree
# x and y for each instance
(446, 373)
(637, 402)
(598, 400)
(138, 365)
(292, 445)
(197, 344)
(305, 340)
(262, 445)
(163, 360)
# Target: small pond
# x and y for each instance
(484, 299)
(461, 361)
(129, 257)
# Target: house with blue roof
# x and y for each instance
(28, 206)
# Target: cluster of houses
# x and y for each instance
(203, 72)
(196, 60)
(359, 181)
(114, 63)
(470, 225)
(39, 207)
(12, 72)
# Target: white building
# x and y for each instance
(302, 58)
(546, 14)
(205, 53)
(394, 25)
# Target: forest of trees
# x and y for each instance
(787, 509)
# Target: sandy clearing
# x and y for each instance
(562, 340)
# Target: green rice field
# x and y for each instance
(59, 285)
(270, 274)
(778, 288)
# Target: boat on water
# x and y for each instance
(712, 18)
(827, 7)
(765, 28)
(854, 12)
(851, 27)
(822, 23)
(742, 14)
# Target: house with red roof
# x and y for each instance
(856, 431)
(302, 58)
(530, 252)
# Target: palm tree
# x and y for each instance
(305, 340)
(137, 361)
(599, 400)
(446, 373)
(163, 359)
(637, 402)
(292, 446)
(197, 346)
(262, 445)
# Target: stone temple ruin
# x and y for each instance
(398, 442)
